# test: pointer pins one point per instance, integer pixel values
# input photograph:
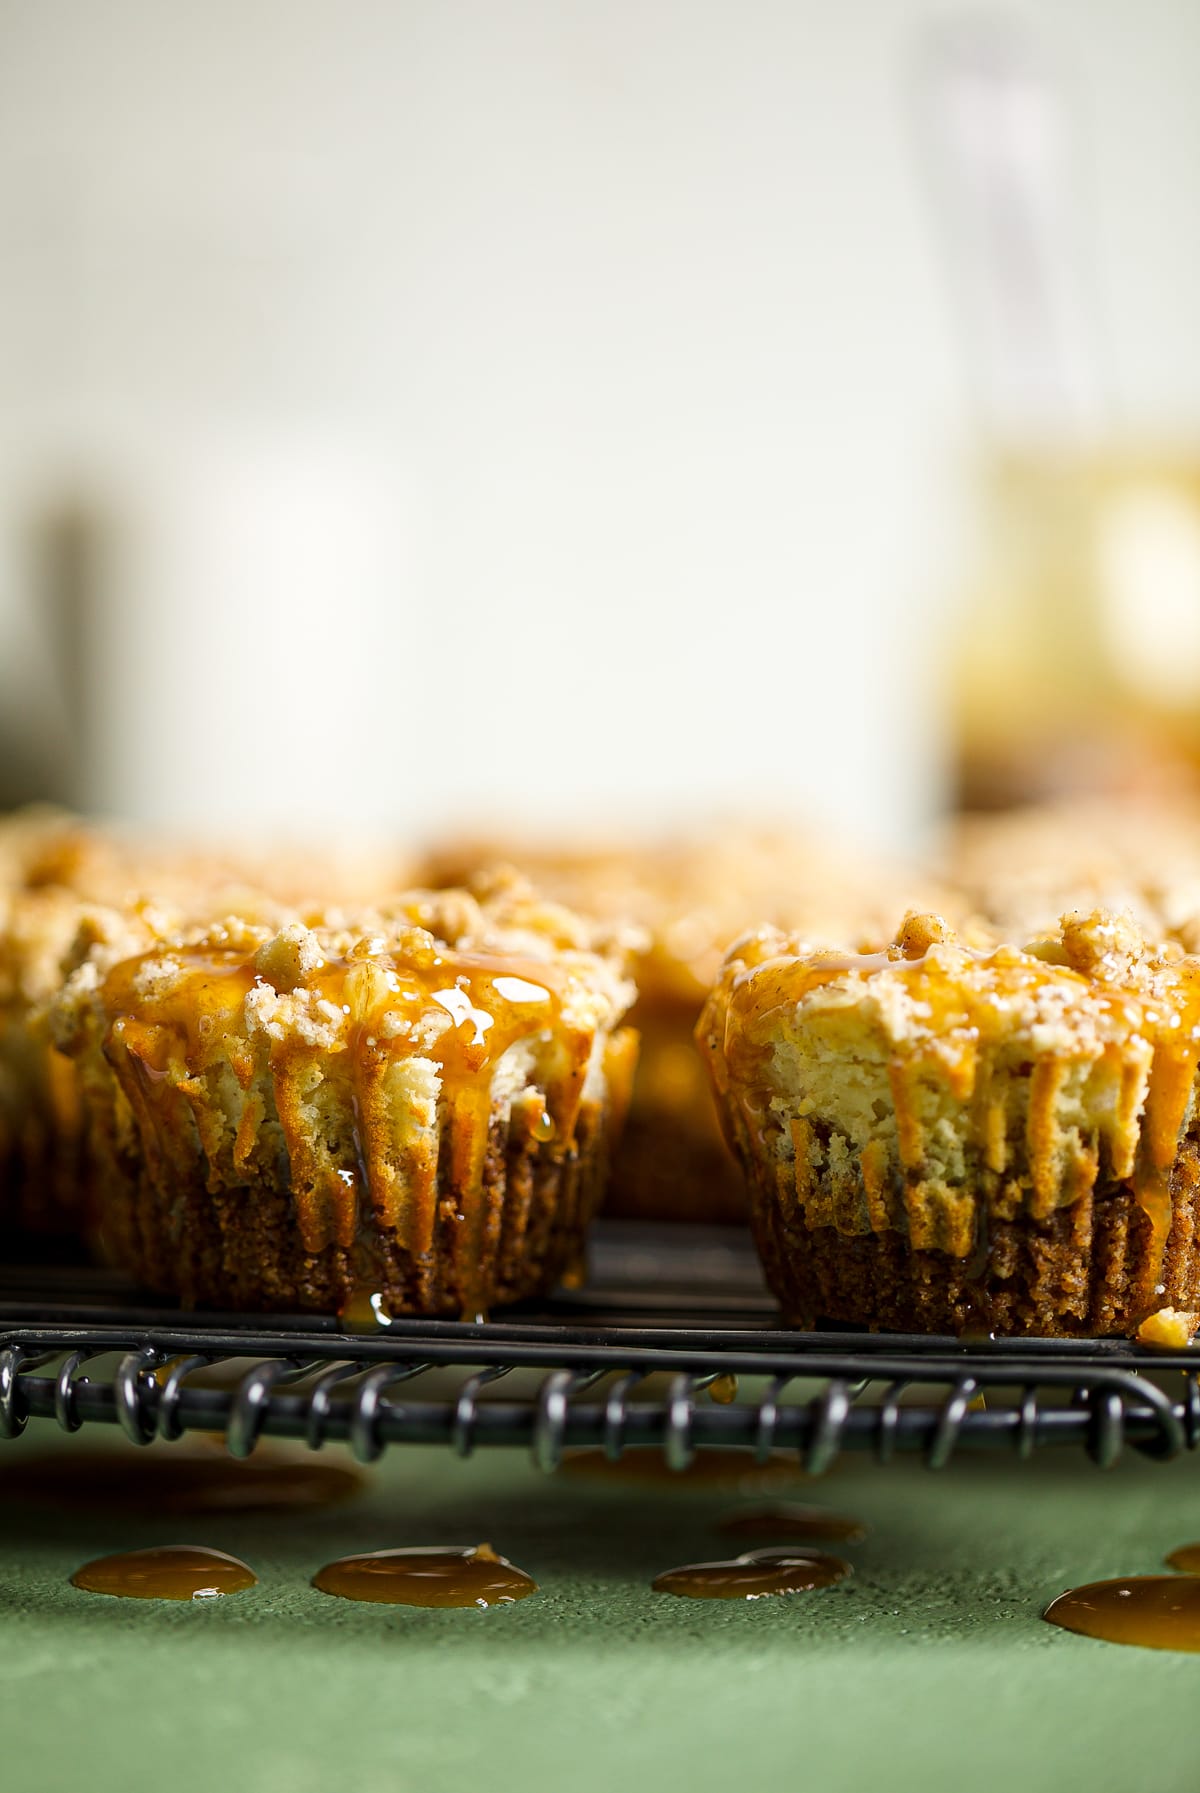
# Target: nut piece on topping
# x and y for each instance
(286, 959)
(1101, 944)
(919, 932)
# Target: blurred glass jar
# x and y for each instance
(1076, 664)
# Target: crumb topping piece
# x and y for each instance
(1169, 1329)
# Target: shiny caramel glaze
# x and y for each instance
(981, 1039)
(177, 1482)
(788, 1520)
(66, 885)
(1158, 1612)
(719, 1467)
(167, 1572)
(1186, 1559)
(436, 1576)
(378, 1078)
(464, 1011)
(752, 1577)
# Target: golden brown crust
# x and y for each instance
(1077, 1273)
(371, 1086)
(937, 1099)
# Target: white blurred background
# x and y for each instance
(413, 411)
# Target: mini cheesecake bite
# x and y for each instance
(966, 1134)
(413, 1108)
(66, 884)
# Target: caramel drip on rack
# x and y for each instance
(462, 1010)
(1158, 1612)
(752, 1577)
(474, 1576)
(168, 1572)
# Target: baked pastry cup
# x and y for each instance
(61, 880)
(410, 1114)
(689, 897)
(949, 1137)
(40, 1116)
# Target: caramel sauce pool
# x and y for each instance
(753, 1577)
(440, 1576)
(1159, 1612)
(785, 1520)
(1186, 1559)
(110, 1481)
(169, 1572)
(717, 1468)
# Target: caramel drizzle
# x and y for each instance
(464, 1011)
(1169, 1023)
(1172, 1080)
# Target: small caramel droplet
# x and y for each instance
(755, 1576)
(1158, 1612)
(723, 1390)
(788, 1521)
(717, 1468)
(1186, 1559)
(543, 1127)
(168, 1572)
(438, 1576)
(364, 1312)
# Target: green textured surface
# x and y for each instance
(930, 1670)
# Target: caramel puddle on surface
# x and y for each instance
(787, 1520)
(754, 1576)
(168, 1572)
(1159, 1612)
(178, 1482)
(1186, 1559)
(441, 1575)
(717, 1468)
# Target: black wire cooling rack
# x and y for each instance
(672, 1342)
